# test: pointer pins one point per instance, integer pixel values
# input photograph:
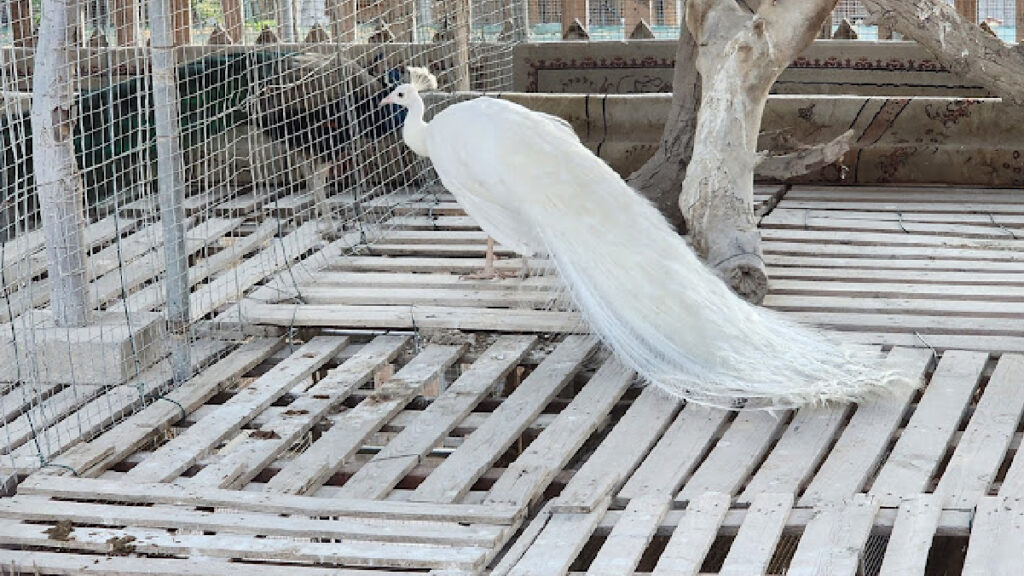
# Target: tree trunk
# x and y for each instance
(961, 47)
(740, 56)
(58, 181)
(660, 178)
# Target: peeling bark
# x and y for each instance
(959, 45)
(740, 56)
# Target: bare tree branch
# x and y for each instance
(960, 46)
(785, 166)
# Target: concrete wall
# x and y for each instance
(826, 67)
(899, 140)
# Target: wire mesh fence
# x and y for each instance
(215, 149)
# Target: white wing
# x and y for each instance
(476, 160)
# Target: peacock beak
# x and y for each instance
(387, 100)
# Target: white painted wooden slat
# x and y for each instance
(690, 541)
(310, 469)
(454, 477)
(376, 478)
(982, 448)
(170, 494)
(800, 449)
(833, 541)
(926, 438)
(677, 453)
(181, 452)
(151, 541)
(35, 508)
(911, 536)
(856, 261)
(527, 477)
(558, 544)
(994, 547)
(622, 550)
(92, 565)
(863, 442)
(621, 450)
(409, 317)
(253, 453)
(735, 455)
(755, 542)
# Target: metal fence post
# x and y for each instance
(170, 184)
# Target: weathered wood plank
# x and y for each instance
(454, 477)
(945, 279)
(735, 455)
(181, 452)
(911, 536)
(376, 478)
(693, 536)
(621, 451)
(558, 544)
(444, 265)
(926, 438)
(833, 542)
(449, 296)
(409, 317)
(309, 470)
(41, 509)
(68, 564)
(862, 444)
(97, 407)
(893, 240)
(174, 495)
(1005, 254)
(755, 542)
(981, 450)
(883, 310)
(994, 547)
(92, 458)
(286, 427)
(861, 261)
(624, 547)
(677, 453)
(875, 290)
(798, 452)
(525, 479)
(150, 541)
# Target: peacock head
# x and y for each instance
(420, 80)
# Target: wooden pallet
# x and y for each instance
(506, 453)
(930, 267)
(343, 454)
(822, 490)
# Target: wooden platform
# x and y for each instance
(470, 439)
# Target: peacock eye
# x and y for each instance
(401, 94)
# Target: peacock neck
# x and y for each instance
(414, 131)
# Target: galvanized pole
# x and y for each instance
(170, 185)
(58, 182)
